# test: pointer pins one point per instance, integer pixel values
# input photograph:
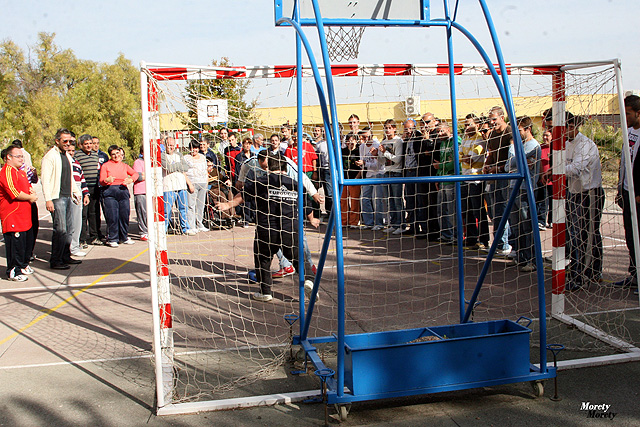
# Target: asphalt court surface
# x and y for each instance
(75, 350)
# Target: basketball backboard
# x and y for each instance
(357, 13)
(213, 111)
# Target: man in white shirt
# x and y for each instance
(585, 200)
(391, 152)
(175, 184)
(632, 112)
(520, 215)
(372, 195)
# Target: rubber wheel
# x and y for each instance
(300, 355)
(343, 411)
(538, 388)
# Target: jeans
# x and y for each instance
(140, 202)
(117, 207)
(170, 197)
(196, 205)
(499, 191)
(446, 210)
(62, 230)
(325, 181)
(410, 199)
(76, 212)
(521, 227)
(373, 194)
(395, 201)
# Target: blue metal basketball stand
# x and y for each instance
(431, 359)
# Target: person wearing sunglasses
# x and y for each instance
(60, 192)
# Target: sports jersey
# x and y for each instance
(14, 214)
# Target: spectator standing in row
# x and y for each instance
(77, 209)
(497, 155)
(446, 190)
(624, 198)
(175, 185)
(102, 159)
(544, 190)
(391, 151)
(373, 196)
(352, 166)
(585, 200)
(32, 176)
(115, 176)
(410, 170)
(197, 174)
(520, 214)
(324, 171)
(140, 196)
(16, 197)
(472, 156)
(60, 193)
(87, 156)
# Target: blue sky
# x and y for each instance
(195, 32)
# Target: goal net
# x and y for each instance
(214, 342)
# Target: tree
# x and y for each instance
(50, 88)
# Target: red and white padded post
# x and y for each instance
(559, 181)
(160, 284)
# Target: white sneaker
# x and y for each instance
(377, 227)
(308, 288)
(17, 277)
(261, 297)
(203, 229)
(27, 270)
(128, 242)
(79, 253)
(400, 230)
(112, 244)
(390, 230)
(190, 232)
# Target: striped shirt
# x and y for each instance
(90, 166)
(78, 177)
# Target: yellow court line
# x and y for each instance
(64, 302)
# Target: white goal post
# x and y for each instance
(214, 347)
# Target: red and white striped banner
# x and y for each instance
(338, 70)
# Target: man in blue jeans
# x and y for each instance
(60, 193)
(175, 185)
(498, 143)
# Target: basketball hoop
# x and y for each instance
(343, 43)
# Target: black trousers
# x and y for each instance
(91, 216)
(32, 234)
(15, 245)
(265, 245)
(628, 229)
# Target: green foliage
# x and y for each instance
(51, 88)
(240, 112)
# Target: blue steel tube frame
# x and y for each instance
(339, 181)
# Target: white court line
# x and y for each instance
(144, 356)
(63, 287)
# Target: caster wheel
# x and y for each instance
(300, 355)
(538, 388)
(343, 411)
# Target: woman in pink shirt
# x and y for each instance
(115, 176)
